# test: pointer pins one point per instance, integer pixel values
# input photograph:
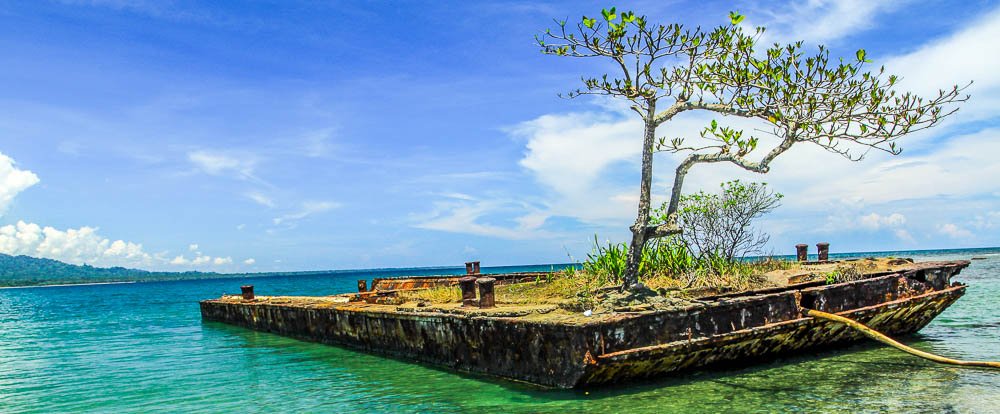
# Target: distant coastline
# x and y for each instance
(27, 272)
(70, 284)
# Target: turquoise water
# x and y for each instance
(143, 347)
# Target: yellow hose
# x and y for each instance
(871, 333)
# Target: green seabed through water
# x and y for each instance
(142, 347)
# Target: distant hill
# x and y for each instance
(32, 271)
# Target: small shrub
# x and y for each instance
(608, 262)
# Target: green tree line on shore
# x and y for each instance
(33, 271)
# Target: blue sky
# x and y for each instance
(250, 136)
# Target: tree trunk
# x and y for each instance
(640, 233)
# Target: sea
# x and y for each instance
(143, 348)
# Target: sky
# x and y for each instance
(295, 135)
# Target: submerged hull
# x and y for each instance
(559, 352)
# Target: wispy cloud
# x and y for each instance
(260, 198)
(820, 21)
(307, 209)
(875, 221)
(958, 58)
(467, 215)
(225, 163)
(318, 143)
(954, 231)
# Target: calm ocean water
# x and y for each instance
(143, 347)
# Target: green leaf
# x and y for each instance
(609, 15)
(714, 125)
(589, 22)
(861, 55)
(736, 17)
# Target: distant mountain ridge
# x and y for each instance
(32, 271)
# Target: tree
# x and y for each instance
(721, 223)
(800, 98)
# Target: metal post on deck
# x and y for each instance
(486, 298)
(468, 286)
(823, 250)
(363, 285)
(247, 292)
(802, 252)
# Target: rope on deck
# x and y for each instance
(878, 336)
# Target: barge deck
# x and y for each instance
(548, 346)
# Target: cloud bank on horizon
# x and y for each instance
(82, 245)
(139, 134)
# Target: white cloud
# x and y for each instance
(953, 231)
(847, 215)
(948, 171)
(874, 221)
(201, 260)
(86, 245)
(820, 21)
(987, 221)
(308, 208)
(249, 261)
(470, 217)
(77, 246)
(241, 226)
(260, 198)
(13, 181)
(567, 153)
(967, 55)
(904, 235)
(317, 143)
(225, 163)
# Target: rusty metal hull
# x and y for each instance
(557, 352)
(900, 317)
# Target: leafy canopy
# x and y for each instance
(804, 97)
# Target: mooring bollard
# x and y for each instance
(475, 267)
(468, 268)
(802, 252)
(468, 286)
(823, 250)
(362, 285)
(486, 298)
(247, 292)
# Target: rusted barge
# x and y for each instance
(552, 347)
